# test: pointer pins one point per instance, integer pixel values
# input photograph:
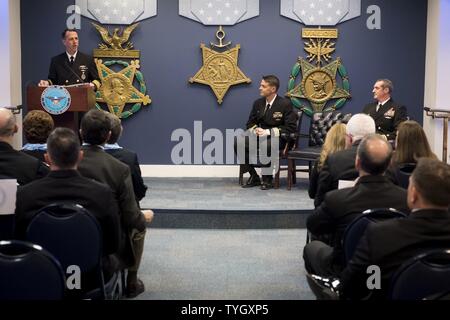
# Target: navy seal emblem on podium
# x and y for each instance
(55, 100)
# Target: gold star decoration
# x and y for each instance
(220, 71)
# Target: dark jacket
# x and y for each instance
(131, 160)
(63, 73)
(70, 187)
(389, 244)
(18, 165)
(280, 118)
(341, 207)
(388, 117)
(100, 166)
(337, 166)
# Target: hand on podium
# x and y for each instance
(44, 83)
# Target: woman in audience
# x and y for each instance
(334, 142)
(411, 144)
(37, 126)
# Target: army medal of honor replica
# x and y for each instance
(220, 70)
(118, 90)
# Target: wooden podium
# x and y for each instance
(83, 99)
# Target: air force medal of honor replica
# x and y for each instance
(55, 100)
(220, 68)
(318, 84)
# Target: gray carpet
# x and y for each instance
(222, 194)
(223, 264)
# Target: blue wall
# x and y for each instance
(270, 44)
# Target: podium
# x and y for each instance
(82, 97)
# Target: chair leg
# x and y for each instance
(294, 172)
(241, 176)
(276, 185)
(289, 174)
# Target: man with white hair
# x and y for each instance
(341, 165)
(15, 164)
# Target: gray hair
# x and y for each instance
(360, 125)
(7, 127)
(387, 84)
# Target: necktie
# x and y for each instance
(379, 106)
(266, 109)
(72, 59)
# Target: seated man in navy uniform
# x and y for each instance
(272, 117)
(72, 67)
(386, 113)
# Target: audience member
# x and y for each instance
(65, 185)
(15, 164)
(411, 144)
(390, 243)
(126, 156)
(341, 207)
(341, 165)
(37, 126)
(98, 165)
(334, 142)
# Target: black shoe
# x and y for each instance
(267, 186)
(253, 181)
(135, 288)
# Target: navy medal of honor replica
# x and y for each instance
(56, 100)
(220, 70)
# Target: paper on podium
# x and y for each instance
(343, 184)
(8, 191)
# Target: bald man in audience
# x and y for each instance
(15, 164)
(340, 207)
(341, 165)
(389, 244)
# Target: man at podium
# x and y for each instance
(72, 67)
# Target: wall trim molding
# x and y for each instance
(174, 171)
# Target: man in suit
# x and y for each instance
(98, 165)
(341, 165)
(341, 207)
(72, 66)
(15, 164)
(126, 156)
(390, 243)
(271, 118)
(385, 111)
(65, 185)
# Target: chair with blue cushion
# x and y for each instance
(28, 272)
(74, 236)
(354, 232)
(426, 276)
(404, 173)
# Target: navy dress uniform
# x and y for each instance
(279, 118)
(387, 117)
(65, 70)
